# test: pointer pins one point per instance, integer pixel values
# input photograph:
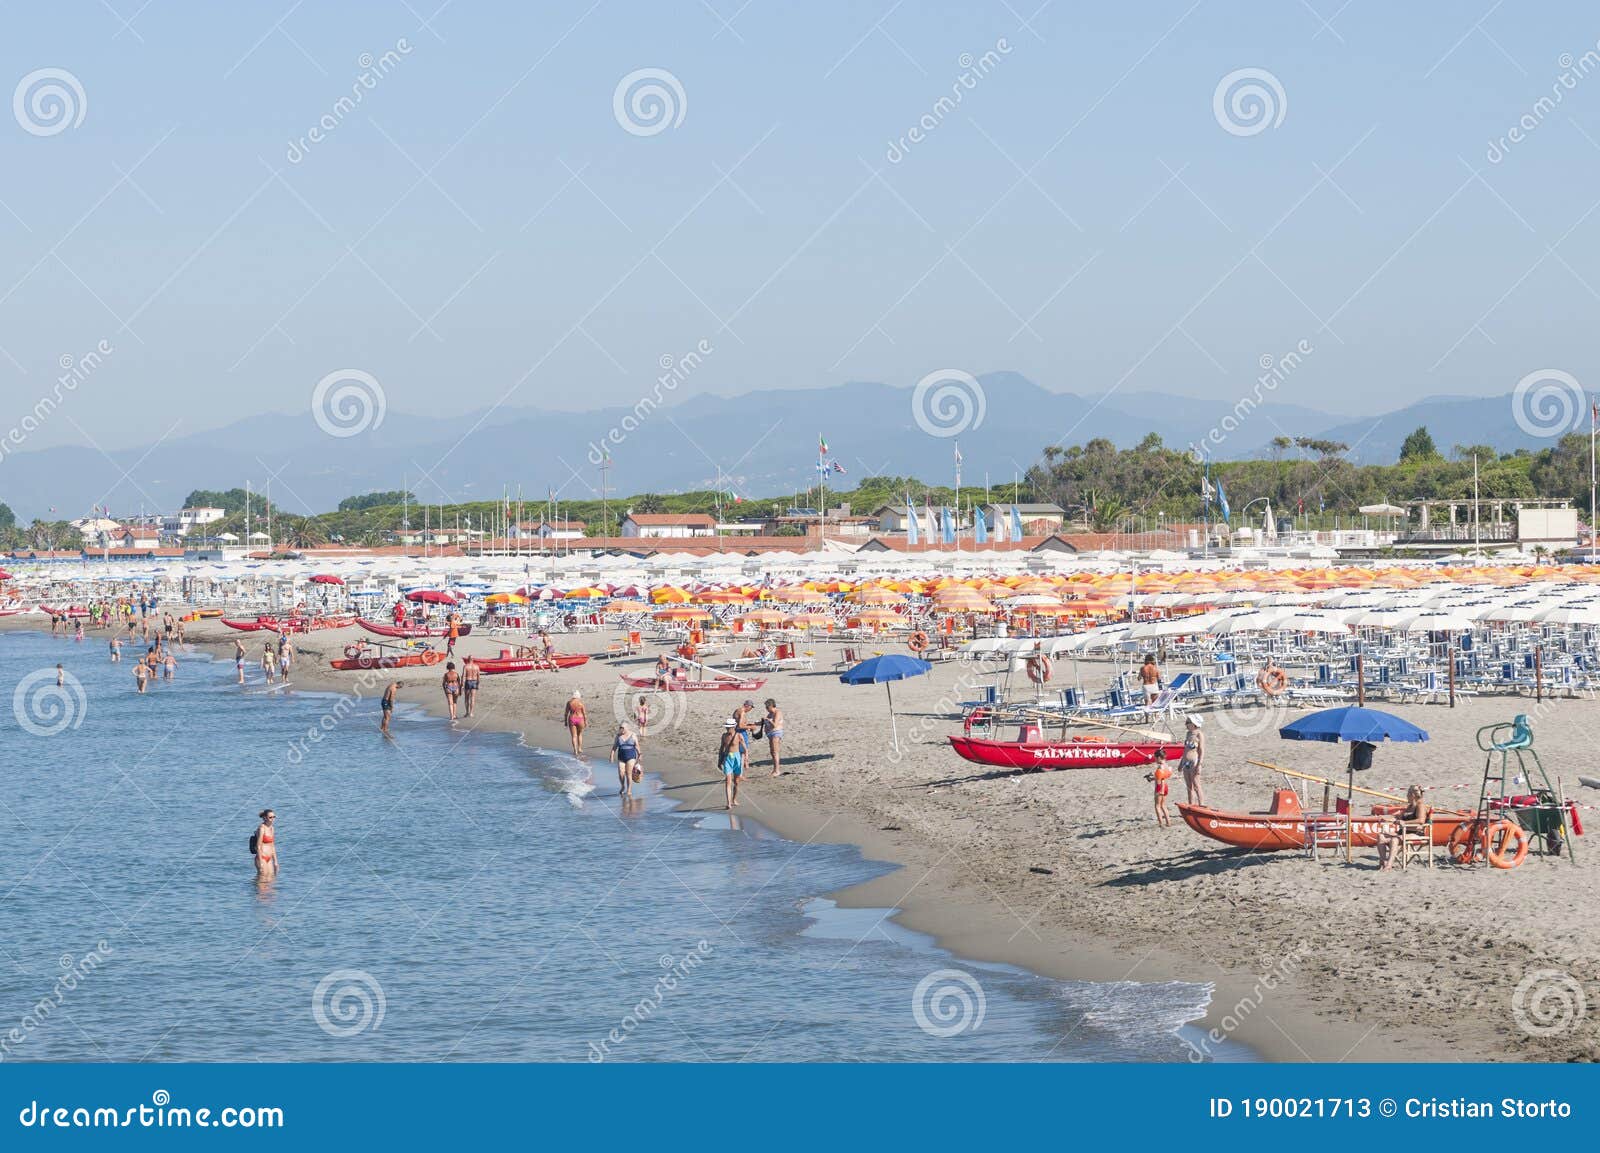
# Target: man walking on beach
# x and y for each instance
(730, 760)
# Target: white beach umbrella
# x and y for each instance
(1100, 638)
(1576, 613)
(1172, 627)
(1313, 622)
(1250, 620)
(1434, 622)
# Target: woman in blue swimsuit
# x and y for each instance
(772, 729)
(625, 751)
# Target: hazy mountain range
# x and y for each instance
(762, 443)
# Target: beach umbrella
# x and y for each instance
(327, 578)
(431, 597)
(505, 599)
(680, 613)
(798, 595)
(669, 594)
(761, 617)
(876, 617)
(808, 620)
(885, 670)
(875, 595)
(729, 596)
(1581, 613)
(1312, 622)
(1352, 723)
(588, 592)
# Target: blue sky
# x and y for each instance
(482, 229)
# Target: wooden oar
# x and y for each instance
(1325, 781)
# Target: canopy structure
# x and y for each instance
(1352, 723)
(1384, 510)
(884, 671)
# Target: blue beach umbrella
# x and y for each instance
(1352, 724)
(1356, 725)
(885, 670)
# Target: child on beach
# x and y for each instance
(452, 688)
(1161, 775)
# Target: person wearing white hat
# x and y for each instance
(730, 760)
(1194, 753)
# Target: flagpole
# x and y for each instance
(1594, 416)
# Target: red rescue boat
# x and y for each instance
(244, 626)
(358, 656)
(1286, 824)
(529, 664)
(1073, 753)
(411, 632)
(74, 611)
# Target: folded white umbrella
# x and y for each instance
(1250, 620)
(1173, 627)
(1435, 622)
(1313, 622)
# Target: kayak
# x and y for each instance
(378, 660)
(684, 685)
(492, 665)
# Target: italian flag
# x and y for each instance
(822, 445)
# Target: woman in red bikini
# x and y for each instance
(266, 847)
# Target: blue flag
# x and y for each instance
(1222, 502)
(949, 525)
(911, 523)
(980, 531)
(1016, 523)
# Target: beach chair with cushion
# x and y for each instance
(848, 659)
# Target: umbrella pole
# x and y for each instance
(1361, 678)
(893, 728)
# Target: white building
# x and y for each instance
(184, 520)
(668, 524)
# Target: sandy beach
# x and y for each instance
(1068, 874)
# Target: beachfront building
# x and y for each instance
(1037, 519)
(674, 525)
(896, 518)
(185, 520)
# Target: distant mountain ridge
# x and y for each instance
(759, 443)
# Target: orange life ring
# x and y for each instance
(917, 642)
(1039, 668)
(432, 656)
(1508, 845)
(1272, 681)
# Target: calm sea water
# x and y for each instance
(445, 896)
